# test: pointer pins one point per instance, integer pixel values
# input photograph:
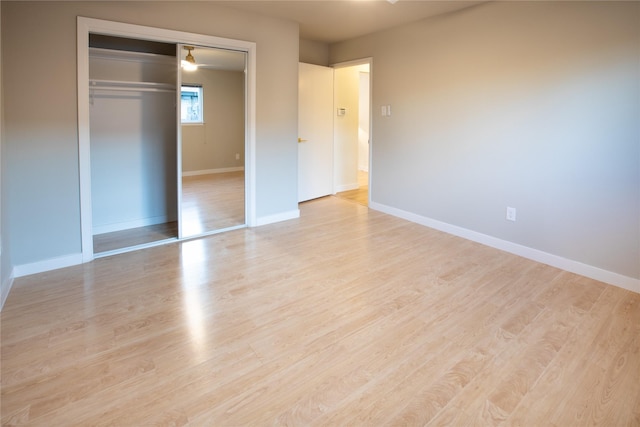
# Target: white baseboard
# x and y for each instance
(47, 265)
(210, 171)
(6, 288)
(142, 222)
(346, 187)
(572, 266)
(284, 216)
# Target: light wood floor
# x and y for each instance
(344, 317)
(209, 202)
(361, 194)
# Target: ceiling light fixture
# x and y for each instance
(392, 1)
(189, 62)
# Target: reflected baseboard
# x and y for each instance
(210, 171)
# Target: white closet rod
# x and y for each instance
(120, 85)
(132, 89)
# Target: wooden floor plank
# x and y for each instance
(361, 194)
(344, 316)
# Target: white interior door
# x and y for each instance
(315, 131)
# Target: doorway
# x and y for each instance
(352, 128)
(172, 203)
(334, 154)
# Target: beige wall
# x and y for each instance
(214, 144)
(5, 263)
(533, 105)
(41, 143)
(313, 52)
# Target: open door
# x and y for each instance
(315, 132)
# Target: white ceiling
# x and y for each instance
(331, 21)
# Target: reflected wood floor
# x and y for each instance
(212, 202)
(345, 316)
(209, 202)
(134, 236)
(361, 194)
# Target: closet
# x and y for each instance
(156, 177)
(133, 142)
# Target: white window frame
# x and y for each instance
(200, 113)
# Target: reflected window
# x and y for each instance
(191, 104)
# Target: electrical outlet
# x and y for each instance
(511, 213)
(237, 156)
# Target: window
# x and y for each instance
(191, 104)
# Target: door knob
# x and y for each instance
(301, 140)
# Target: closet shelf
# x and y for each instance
(122, 85)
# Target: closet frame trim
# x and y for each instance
(86, 26)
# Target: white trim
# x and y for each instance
(178, 71)
(346, 187)
(284, 216)
(250, 138)
(126, 225)
(98, 26)
(166, 241)
(47, 265)
(135, 248)
(612, 278)
(84, 138)
(6, 288)
(353, 63)
(212, 171)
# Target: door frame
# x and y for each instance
(353, 63)
(85, 26)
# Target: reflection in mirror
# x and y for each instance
(213, 142)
